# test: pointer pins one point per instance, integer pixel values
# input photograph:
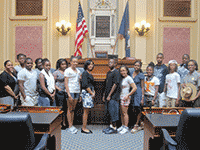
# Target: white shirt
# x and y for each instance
(172, 81)
(30, 84)
(18, 68)
(150, 88)
(73, 80)
(125, 86)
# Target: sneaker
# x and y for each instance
(124, 130)
(72, 130)
(120, 128)
(111, 131)
(105, 130)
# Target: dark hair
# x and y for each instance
(160, 54)
(20, 55)
(73, 57)
(195, 63)
(115, 60)
(151, 64)
(128, 72)
(137, 61)
(188, 56)
(168, 68)
(28, 58)
(44, 60)
(36, 62)
(59, 62)
(5, 63)
(87, 63)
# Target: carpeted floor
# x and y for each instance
(100, 141)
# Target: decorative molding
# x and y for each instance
(43, 24)
(193, 17)
(176, 26)
(103, 4)
(28, 17)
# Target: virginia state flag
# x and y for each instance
(124, 29)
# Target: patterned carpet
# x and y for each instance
(100, 141)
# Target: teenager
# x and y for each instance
(111, 96)
(72, 87)
(172, 85)
(8, 82)
(21, 59)
(125, 96)
(192, 77)
(88, 93)
(27, 79)
(138, 97)
(151, 83)
(61, 95)
(38, 66)
(47, 85)
(160, 71)
(183, 69)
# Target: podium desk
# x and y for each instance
(153, 124)
(49, 123)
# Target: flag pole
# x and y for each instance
(90, 46)
(115, 45)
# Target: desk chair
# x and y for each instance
(187, 133)
(17, 133)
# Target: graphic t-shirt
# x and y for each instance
(125, 86)
(172, 81)
(150, 85)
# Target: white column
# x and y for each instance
(64, 41)
(140, 41)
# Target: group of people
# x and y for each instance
(65, 86)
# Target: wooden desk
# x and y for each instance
(153, 124)
(44, 122)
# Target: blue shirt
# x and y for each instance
(160, 72)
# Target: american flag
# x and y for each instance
(81, 30)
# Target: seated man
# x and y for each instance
(27, 79)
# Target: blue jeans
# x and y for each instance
(113, 109)
(45, 101)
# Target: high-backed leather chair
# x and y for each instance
(17, 133)
(187, 133)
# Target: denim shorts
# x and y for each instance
(75, 96)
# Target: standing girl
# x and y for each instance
(88, 93)
(125, 96)
(151, 86)
(72, 87)
(61, 65)
(192, 77)
(172, 84)
(138, 96)
(47, 85)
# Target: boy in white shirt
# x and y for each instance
(172, 84)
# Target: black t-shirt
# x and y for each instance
(113, 77)
(6, 79)
(87, 80)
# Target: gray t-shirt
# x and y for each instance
(30, 84)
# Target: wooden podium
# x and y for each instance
(98, 114)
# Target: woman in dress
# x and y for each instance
(88, 93)
(47, 85)
(125, 97)
(8, 82)
(138, 97)
(60, 96)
